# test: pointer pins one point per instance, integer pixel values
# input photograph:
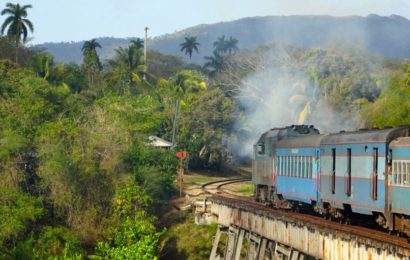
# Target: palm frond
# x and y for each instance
(6, 23)
(29, 24)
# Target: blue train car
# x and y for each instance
(399, 184)
(265, 160)
(297, 169)
(354, 166)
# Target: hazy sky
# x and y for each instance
(74, 20)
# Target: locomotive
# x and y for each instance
(337, 175)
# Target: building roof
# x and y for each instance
(159, 142)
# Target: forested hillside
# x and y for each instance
(388, 36)
(79, 177)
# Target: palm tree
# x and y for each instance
(231, 45)
(91, 60)
(127, 66)
(190, 45)
(90, 45)
(139, 43)
(16, 23)
(220, 45)
(214, 63)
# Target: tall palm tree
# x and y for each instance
(16, 23)
(190, 45)
(90, 45)
(91, 60)
(220, 45)
(231, 45)
(139, 43)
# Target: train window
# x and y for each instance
(399, 173)
(288, 172)
(283, 158)
(408, 174)
(261, 148)
(275, 165)
(349, 172)
(283, 165)
(308, 158)
(306, 167)
(303, 166)
(287, 166)
(292, 166)
(404, 173)
(297, 166)
(310, 167)
(375, 172)
(333, 172)
(395, 173)
(389, 157)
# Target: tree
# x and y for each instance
(231, 45)
(91, 60)
(16, 23)
(190, 45)
(90, 45)
(127, 66)
(139, 43)
(220, 45)
(214, 63)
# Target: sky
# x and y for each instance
(76, 20)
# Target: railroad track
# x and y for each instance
(365, 233)
(215, 187)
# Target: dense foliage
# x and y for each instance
(79, 176)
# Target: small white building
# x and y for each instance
(159, 142)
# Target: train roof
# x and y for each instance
(402, 141)
(366, 136)
(303, 141)
(292, 131)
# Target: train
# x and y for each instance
(337, 175)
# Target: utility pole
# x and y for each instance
(145, 52)
(174, 127)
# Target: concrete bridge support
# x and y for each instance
(258, 248)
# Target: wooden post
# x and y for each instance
(181, 175)
(181, 155)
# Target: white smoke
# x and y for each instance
(282, 92)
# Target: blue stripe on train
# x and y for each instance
(360, 199)
(299, 189)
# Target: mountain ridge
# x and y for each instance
(388, 36)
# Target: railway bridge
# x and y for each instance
(247, 230)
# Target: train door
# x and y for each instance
(316, 172)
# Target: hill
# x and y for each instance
(388, 36)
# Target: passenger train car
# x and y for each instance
(365, 172)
